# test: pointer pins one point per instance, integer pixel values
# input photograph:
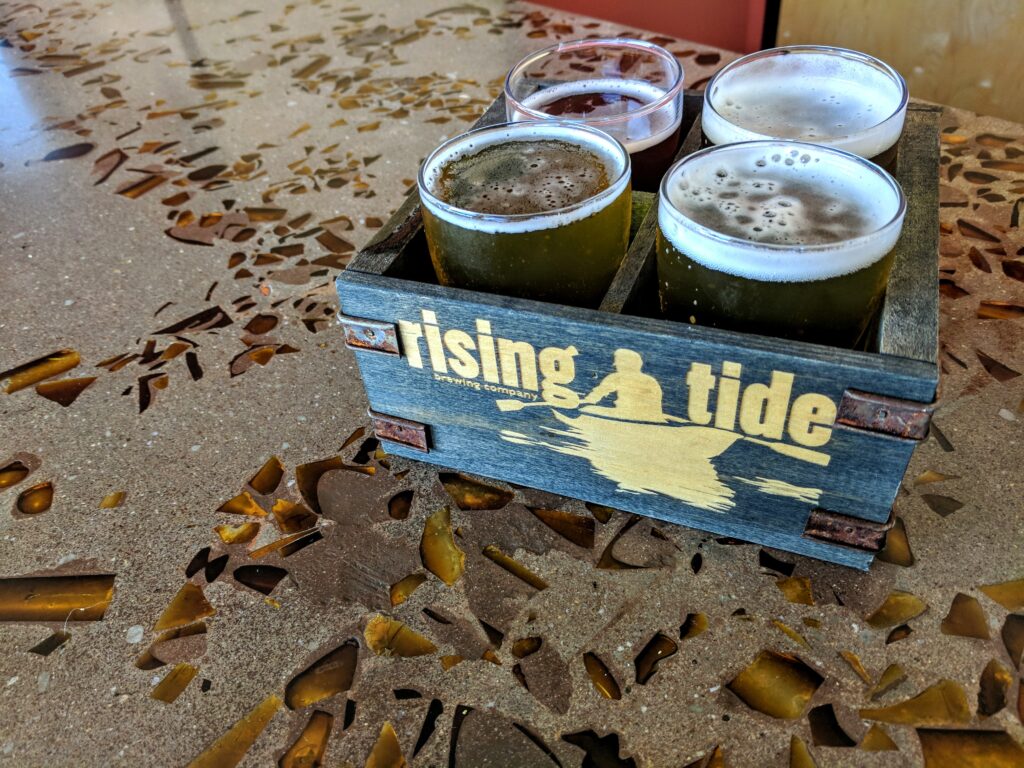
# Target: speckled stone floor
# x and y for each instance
(242, 579)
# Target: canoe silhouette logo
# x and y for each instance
(620, 427)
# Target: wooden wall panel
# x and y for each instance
(966, 53)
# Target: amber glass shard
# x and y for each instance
(307, 476)
(1009, 594)
(389, 637)
(660, 647)
(825, 728)
(386, 753)
(791, 633)
(401, 590)
(356, 434)
(996, 681)
(899, 633)
(965, 618)
(1013, 637)
(694, 624)
(229, 749)
(243, 504)
(50, 644)
(328, 676)
(266, 480)
(491, 656)
(600, 512)
(897, 546)
(308, 749)
(898, 608)
(602, 678)
(175, 645)
(941, 704)
(526, 646)
(437, 548)
(513, 566)
(776, 684)
(799, 754)
(853, 660)
(187, 606)
(237, 534)
(931, 476)
(877, 740)
(174, 682)
(35, 500)
(473, 494)
(13, 473)
(113, 500)
(292, 517)
(262, 578)
(447, 662)
(400, 504)
(797, 589)
(56, 598)
(890, 678)
(64, 391)
(576, 528)
(714, 760)
(281, 544)
(40, 369)
(969, 749)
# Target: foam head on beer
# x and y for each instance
(605, 98)
(828, 96)
(524, 178)
(630, 89)
(780, 211)
(538, 210)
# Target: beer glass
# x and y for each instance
(627, 88)
(823, 95)
(777, 238)
(538, 210)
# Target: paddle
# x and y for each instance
(517, 405)
(785, 449)
(793, 451)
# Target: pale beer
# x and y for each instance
(828, 96)
(777, 238)
(537, 210)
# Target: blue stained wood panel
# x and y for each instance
(761, 491)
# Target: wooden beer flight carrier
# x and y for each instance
(788, 444)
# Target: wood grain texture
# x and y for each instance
(761, 490)
(909, 321)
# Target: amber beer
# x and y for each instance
(538, 210)
(777, 238)
(630, 89)
(819, 94)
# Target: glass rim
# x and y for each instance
(720, 237)
(833, 50)
(619, 42)
(426, 195)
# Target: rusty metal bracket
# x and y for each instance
(888, 415)
(370, 335)
(849, 531)
(409, 433)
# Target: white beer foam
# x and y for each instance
(806, 196)
(615, 159)
(636, 132)
(828, 99)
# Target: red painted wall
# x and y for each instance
(731, 24)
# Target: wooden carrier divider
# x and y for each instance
(888, 405)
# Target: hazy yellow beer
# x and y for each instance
(777, 238)
(537, 210)
(823, 95)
